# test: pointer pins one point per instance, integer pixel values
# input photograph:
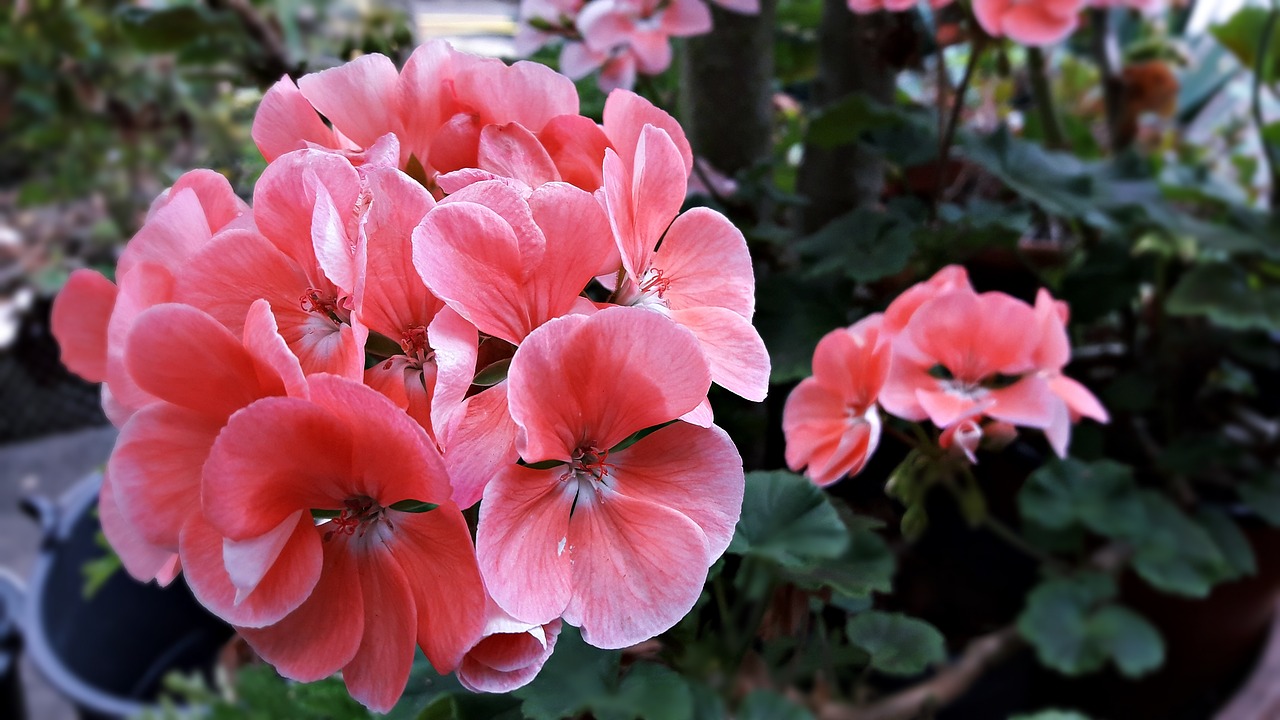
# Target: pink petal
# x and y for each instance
(638, 567)
(335, 250)
(737, 356)
(173, 233)
(336, 605)
(156, 469)
(694, 471)
(359, 97)
(393, 297)
(625, 116)
(143, 561)
(945, 408)
(853, 361)
(183, 356)
(601, 379)
(455, 341)
(521, 543)
(579, 244)
(276, 363)
(657, 192)
(378, 673)
(284, 201)
(512, 151)
(81, 313)
(1028, 402)
(705, 259)
(1078, 398)
(576, 145)
(684, 18)
(578, 60)
(425, 94)
(250, 486)
(479, 442)
(462, 250)
(525, 92)
(702, 416)
(285, 121)
(286, 582)
(436, 553)
(505, 661)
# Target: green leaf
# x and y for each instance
(788, 520)
(865, 567)
(769, 705)
(1173, 552)
(1242, 35)
(793, 314)
(898, 645)
(1054, 622)
(164, 29)
(493, 374)
(845, 121)
(650, 692)
(1133, 643)
(413, 506)
(1228, 296)
(1099, 495)
(863, 245)
(1231, 542)
(575, 677)
(1262, 495)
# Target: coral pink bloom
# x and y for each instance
(899, 312)
(870, 6)
(91, 318)
(445, 127)
(359, 98)
(199, 374)
(1030, 22)
(542, 22)
(618, 66)
(701, 275)
(963, 438)
(509, 655)
(1050, 356)
(363, 585)
(543, 251)
(830, 420)
(617, 542)
(964, 354)
(1146, 7)
(643, 26)
(308, 207)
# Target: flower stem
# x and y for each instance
(1042, 92)
(953, 120)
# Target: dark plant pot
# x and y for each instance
(1211, 645)
(108, 653)
(12, 600)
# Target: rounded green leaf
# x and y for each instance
(788, 520)
(898, 645)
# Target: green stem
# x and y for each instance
(1264, 54)
(1106, 53)
(953, 120)
(722, 604)
(1042, 92)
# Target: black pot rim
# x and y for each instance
(72, 505)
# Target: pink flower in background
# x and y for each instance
(617, 541)
(700, 276)
(1050, 357)
(903, 307)
(864, 7)
(510, 653)
(644, 26)
(1030, 22)
(830, 420)
(363, 586)
(964, 354)
(1146, 7)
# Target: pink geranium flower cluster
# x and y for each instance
(976, 365)
(451, 293)
(619, 38)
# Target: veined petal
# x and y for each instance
(286, 582)
(735, 352)
(705, 259)
(323, 634)
(694, 471)
(142, 560)
(81, 313)
(522, 543)
(360, 97)
(379, 671)
(286, 121)
(638, 567)
(602, 378)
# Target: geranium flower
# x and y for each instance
(366, 583)
(701, 274)
(1030, 22)
(830, 420)
(616, 541)
(964, 354)
(645, 27)
(510, 654)
(1050, 356)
